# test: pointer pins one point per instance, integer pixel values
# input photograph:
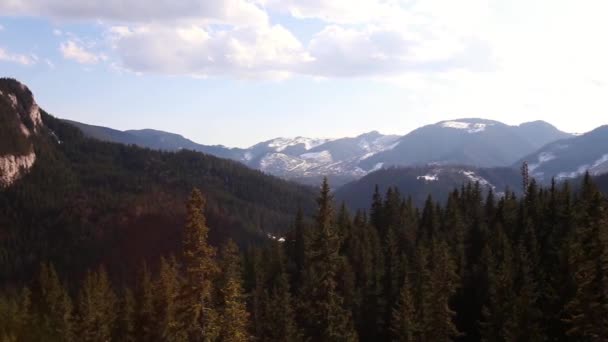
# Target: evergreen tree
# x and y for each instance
(146, 322)
(198, 312)
(234, 315)
(128, 332)
(587, 309)
(97, 308)
(403, 324)
(326, 318)
(281, 324)
(167, 287)
(56, 306)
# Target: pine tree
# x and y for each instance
(498, 322)
(443, 286)
(167, 287)
(280, 316)
(97, 308)
(587, 309)
(403, 323)
(198, 313)
(128, 317)
(234, 315)
(326, 318)
(300, 245)
(56, 306)
(146, 314)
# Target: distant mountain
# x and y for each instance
(421, 181)
(570, 158)
(308, 163)
(306, 160)
(154, 139)
(479, 142)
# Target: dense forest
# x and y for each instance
(117, 204)
(479, 268)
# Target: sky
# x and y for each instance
(237, 72)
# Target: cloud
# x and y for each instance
(241, 12)
(266, 51)
(337, 11)
(74, 51)
(383, 51)
(6, 56)
(57, 32)
(1, 27)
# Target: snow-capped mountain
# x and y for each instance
(571, 158)
(478, 142)
(307, 160)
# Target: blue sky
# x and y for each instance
(236, 72)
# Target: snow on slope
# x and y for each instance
(280, 144)
(470, 127)
(320, 157)
(599, 166)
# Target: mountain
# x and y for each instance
(478, 142)
(154, 139)
(421, 181)
(308, 163)
(82, 201)
(570, 158)
(306, 160)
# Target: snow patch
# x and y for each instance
(543, 157)
(322, 157)
(429, 177)
(475, 178)
(377, 167)
(468, 126)
(593, 169)
(281, 144)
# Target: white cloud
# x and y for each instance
(74, 51)
(57, 32)
(225, 11)
(264, 51)
(1, 27)
(337, 11)
(6, 56)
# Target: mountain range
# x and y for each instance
(476, 142)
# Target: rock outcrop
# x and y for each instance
(22, 120)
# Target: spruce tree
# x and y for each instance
(403, 323)
(146, 322)
(326, 318)
(56, 306)
(198, 313)
(97, 307)
(280, 315)
(167, 287)
(128, 306)
(234, 321)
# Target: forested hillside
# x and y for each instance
(85, 201)
(525, 268)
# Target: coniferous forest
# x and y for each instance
(479, 268)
